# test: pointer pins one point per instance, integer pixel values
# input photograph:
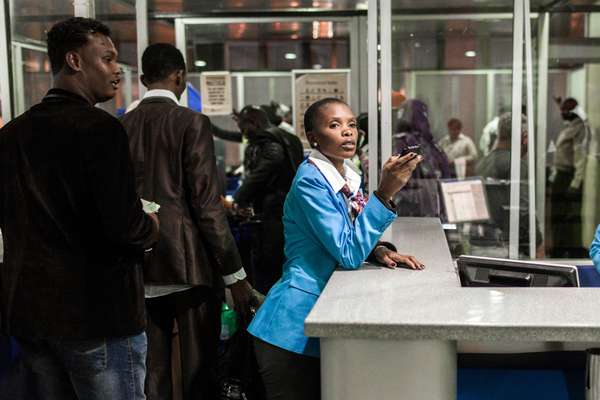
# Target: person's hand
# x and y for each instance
(154, 218)
(540, 251)
(227, 204)
(395, 174)
(391, 259)
(573, 192)
(243, 299)
(245, 212)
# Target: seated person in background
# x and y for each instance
(459, 148)
(595, 249)
(496, 168)
(420, 196)
(328, 223)
(270, 162)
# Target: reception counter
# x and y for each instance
(393, 334)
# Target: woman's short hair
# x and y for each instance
(310, 115)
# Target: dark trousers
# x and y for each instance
(197, 312)
(566, 218)
(287, 375)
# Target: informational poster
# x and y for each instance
(465, 201)
(215, 90)
(313, 86)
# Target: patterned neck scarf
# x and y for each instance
(357, 201)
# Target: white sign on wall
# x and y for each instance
(313, 85)
(215, 89)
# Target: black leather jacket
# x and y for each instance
(269, 168)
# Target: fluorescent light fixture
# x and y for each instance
(470, 53)
(290, 56)
(200, 63)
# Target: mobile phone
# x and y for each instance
(414, 149)
(411, 149)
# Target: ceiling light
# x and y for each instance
(290, 56)
(200, 63)
(470, 53)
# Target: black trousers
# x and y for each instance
(566, 218)
(287, 375)
(197, 312)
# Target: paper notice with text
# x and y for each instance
(215, 91)
(316, 86)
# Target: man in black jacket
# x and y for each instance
(74, 230)
(270, 162)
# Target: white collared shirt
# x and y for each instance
(333, 176)
(161, 93)
(241, 273)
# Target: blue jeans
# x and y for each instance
(103, 369)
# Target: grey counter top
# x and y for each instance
(378, 303)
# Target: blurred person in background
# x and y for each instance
(459, 148)
(566, 181)
(492, 239)
(271, 159)
(420, 197)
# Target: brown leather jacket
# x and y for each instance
(173, 155)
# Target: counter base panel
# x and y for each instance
(357, 369)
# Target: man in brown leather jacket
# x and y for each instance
(173, 154)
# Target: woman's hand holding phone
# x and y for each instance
(396, 173)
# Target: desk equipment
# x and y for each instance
(464, 200)
(497, 272)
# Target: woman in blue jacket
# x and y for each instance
(327, 223)
(595, 249)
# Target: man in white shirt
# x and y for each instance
(459, 148)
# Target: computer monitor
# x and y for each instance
(497, 272)
(464, 200)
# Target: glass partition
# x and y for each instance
(452, 96)
(29, 21)
(119, 16)
(260, 54)
(571, 136)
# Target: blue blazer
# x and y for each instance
(319, 235)
(595, 249)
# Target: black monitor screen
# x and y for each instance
(495, 272)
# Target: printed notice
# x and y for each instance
(316, 86)
(465, 201)
(215, 89)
